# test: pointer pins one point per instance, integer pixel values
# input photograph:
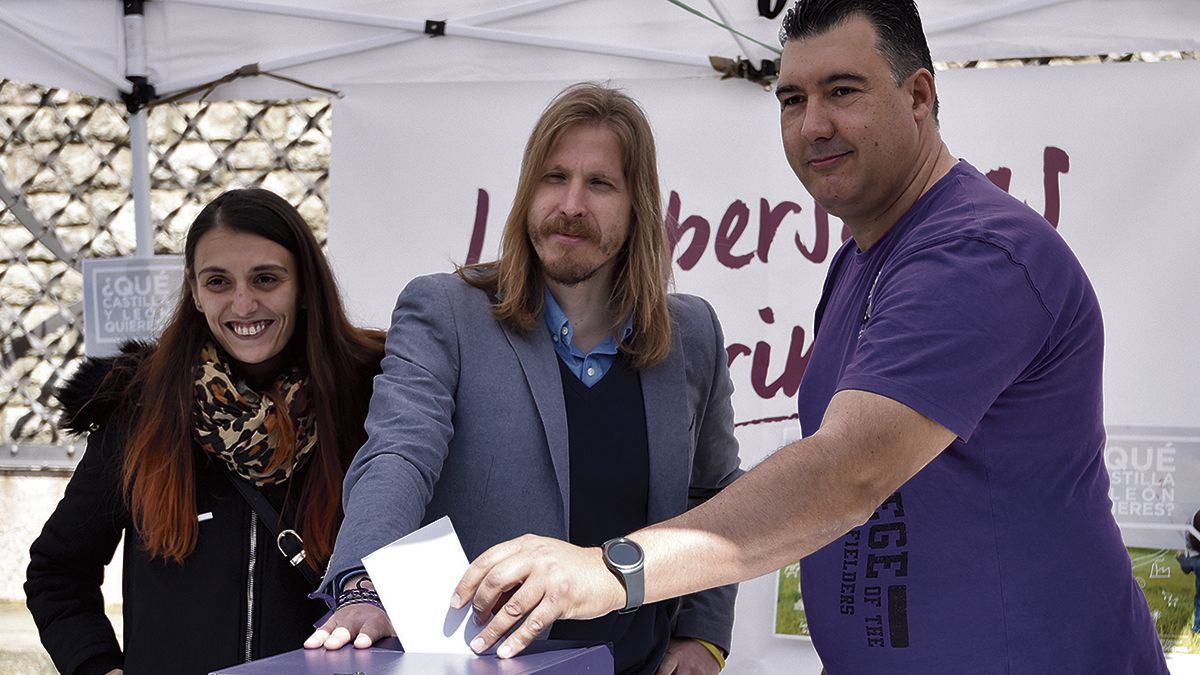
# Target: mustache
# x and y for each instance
(571, 227)
(823, 151)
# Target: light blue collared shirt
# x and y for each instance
(591, 367)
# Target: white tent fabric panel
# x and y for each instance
(961, 31)
(47, 44)
(188, 42)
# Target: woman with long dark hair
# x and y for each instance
(218, 453)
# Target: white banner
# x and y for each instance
(1118, 180)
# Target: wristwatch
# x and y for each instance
(625, 558)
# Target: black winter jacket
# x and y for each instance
(233, 599)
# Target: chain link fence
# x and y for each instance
(64, 167)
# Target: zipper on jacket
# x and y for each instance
(250, 584)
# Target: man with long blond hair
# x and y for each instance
(558, 390)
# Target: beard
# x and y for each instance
(569, 273)
(572, 267)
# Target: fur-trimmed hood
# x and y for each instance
(98, 390)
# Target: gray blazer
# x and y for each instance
(468, 420)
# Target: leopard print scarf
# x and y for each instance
(243, 428)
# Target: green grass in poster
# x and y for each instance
(1170, 594)
(789, 610)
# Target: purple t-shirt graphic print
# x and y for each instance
(1001, 555)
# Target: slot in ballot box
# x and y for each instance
(544, 657)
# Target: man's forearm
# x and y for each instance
(796, 501)
(779, 511)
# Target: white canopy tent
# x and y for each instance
(471, 93)
(82, 43)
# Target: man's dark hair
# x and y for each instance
(897, 23)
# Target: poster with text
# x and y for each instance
(127, 299)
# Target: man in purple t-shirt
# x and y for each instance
(971, 311)
(968, 314)
(949, 498)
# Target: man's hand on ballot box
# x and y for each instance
(548, 579)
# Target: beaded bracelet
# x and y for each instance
(359, 595)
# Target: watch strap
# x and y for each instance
(635, 591)
(631, 575)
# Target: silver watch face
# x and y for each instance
(623, 554)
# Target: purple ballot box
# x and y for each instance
(545, 658)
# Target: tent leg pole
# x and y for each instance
(139, 147)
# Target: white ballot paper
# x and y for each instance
(415, 577)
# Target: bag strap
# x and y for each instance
(287, 540)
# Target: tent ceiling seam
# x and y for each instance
(376, 42)
(983, 16)
(452, 29)
(31, 35)
(728, 26)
